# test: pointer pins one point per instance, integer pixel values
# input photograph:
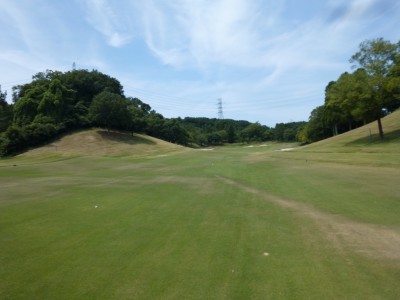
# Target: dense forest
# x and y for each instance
(56, 102)
(354, 99)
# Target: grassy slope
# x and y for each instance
(171, 225)
(364, 139)
(98, 142)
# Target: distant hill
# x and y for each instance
(99, 142)
(364, 139)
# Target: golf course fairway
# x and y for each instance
(160, 221)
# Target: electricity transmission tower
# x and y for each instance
(220, 111)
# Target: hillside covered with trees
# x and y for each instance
(354, 99)
(58, 102)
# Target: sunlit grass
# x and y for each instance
(169, 224)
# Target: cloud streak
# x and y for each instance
(260, 56)
(198, 34)
(102, 16)
(246, 34)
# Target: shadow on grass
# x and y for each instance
(124, 138)
(374, 139)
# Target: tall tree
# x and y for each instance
(316, 129)
(57, 101)
(110, 110)
(5, 111)
(377, 57)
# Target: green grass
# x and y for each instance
(364, 139)
(193, 224)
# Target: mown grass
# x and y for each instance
(168, 226)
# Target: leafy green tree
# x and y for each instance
(316, 129)
(333, 115)
(287, 132)
(26, 107)
(41, 130)
(88, 84)
(201, 139)
(110, 110)
(253, 133)
(392, 86)
(154, 124)
(340, 98)
(173, 132)
(57, 102)
(377, 57)
(6, 114)
(231, 136)
(214, 138)
(362, 96)
(13, 140)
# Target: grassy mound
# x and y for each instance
(364, 139)
(99, 142)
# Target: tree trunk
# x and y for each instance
(380, 128)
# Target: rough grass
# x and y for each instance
(99, 142)
(192, 224)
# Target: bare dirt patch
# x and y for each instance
(367, 239)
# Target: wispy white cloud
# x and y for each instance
(203, 33)
(250, 53)
(109, 22)
(210, 36)
(259, 56)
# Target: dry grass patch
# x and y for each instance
(98, 142)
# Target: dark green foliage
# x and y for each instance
(231, 135)
(109, 110)
(253, 133)
(378, 58)
(6, 112)
(155, 123)
(88, 84)
(288, 132)
(316, 128)
(205, 131)
(360, 97)
(138, 111)
(55, 102)
(173, 132)
(12, 140)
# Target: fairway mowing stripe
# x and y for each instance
(367, 239)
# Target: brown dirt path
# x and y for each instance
(367, 239)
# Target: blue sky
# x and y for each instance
(269, 61)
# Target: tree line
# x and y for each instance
(56, 102)
(365, 95)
